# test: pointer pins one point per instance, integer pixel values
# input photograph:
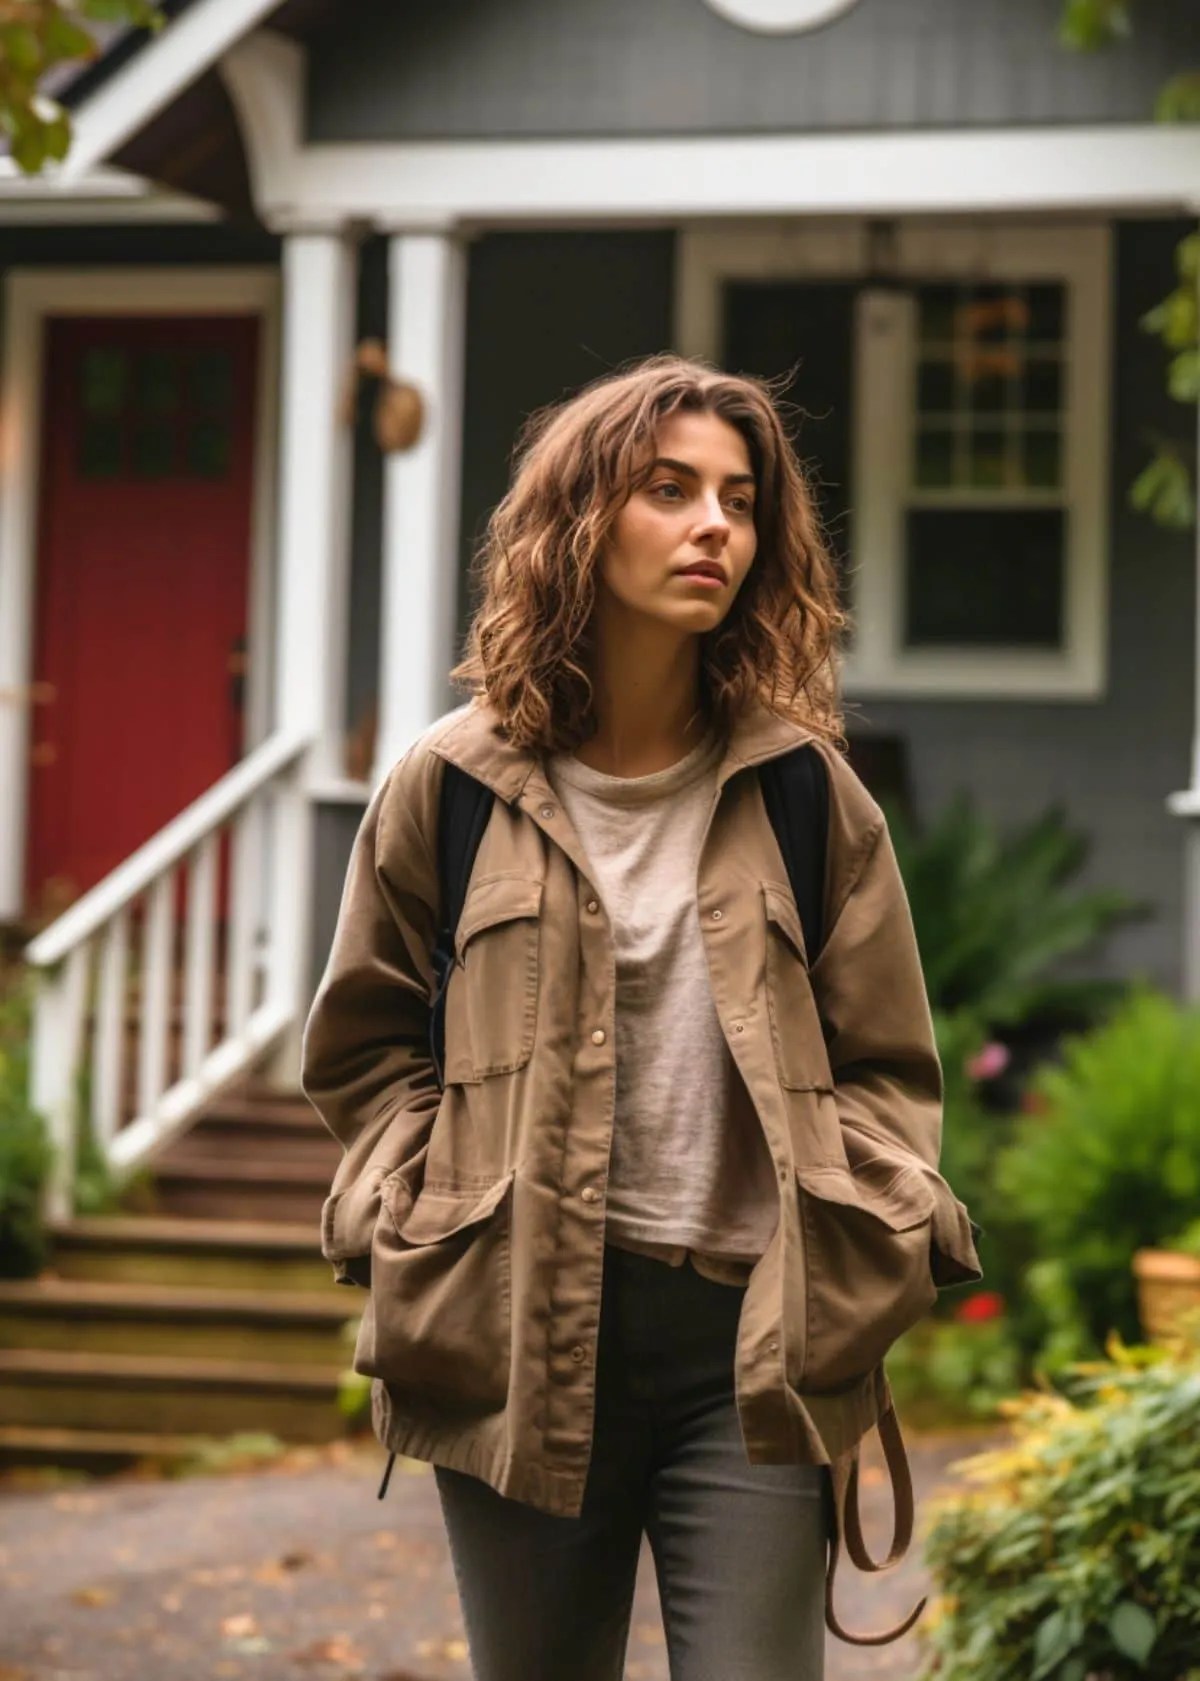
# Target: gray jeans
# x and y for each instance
(739, 1549)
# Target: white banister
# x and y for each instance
(183, 1044)
(201, 946)
(110, 1030)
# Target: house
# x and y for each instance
(224, 610)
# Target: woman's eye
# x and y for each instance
(668, 484)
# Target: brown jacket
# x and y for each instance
(478, 1213)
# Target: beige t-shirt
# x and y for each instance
(689, 1170)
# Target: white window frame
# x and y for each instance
(1074, 254)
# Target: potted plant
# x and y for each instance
(1168, 1283)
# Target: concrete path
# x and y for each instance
(297, 1571)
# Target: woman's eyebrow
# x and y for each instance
(683, 467)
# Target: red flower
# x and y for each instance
(984, 1305)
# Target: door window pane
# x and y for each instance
(158, 382)
(104, 381)
(99, 449)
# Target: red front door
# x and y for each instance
(143, 569)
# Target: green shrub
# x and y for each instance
(1074, 1551)
(25, 1152)
(1108, 1162)
(956, 1371)
(995, 912)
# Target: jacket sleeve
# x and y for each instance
(365, 1060)
(870, 994)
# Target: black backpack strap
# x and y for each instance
(795, 789)
(464, 806)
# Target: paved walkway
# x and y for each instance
(298, 1571)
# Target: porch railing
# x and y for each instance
(134, 1036)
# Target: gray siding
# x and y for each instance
(613, 67)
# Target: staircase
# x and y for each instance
(207, 1314)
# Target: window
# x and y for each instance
(980, 422)
(966, 414)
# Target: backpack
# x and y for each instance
(795, 790)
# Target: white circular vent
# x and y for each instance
(777, 17)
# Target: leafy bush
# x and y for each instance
(993, 913)
(1074, 1552)
(25, 1152)
(956, 1371)
(1108, 1162)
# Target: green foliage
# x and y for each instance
(994, 912)
(946, 1372)
(1111, 1163)
(1186, 1242)
(1074, 1552)
(1088, 25)
(214, 1455)
(1164, 487)
(25, 1153)
(34, 39)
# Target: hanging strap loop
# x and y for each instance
(847, 1527)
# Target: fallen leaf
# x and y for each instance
(170, 1602)
(93, 1596)
(10, 1672)
(296, 1560)
(375, 1613)
(386, 1538)
(238, 1627)
(338, 1649)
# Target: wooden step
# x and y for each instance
(171, 1395)
(222, 1254)
(93, 1450)
(290, 1327)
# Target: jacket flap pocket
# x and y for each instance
(781, 910)
(900, 1201)
(493, 900)
(437, 1214)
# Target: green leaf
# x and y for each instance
(20, 47)
(1179, 100)
(1183, 377)
(1052, 1645)
(1133, 1630)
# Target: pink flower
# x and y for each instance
(993, 1059)
(977, 1309)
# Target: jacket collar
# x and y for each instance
(474, 743)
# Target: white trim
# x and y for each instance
(427, 340)
(153, 77)
(709, 257)
(264, 76)
(104, 195)
(439, 184)
(779, 17)
(30, 296)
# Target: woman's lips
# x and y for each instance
(708, 578)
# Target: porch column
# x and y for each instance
(426, 341)
(312, 583)
(1187, 803)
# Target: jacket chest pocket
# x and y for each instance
(800, 1053)
(491, 998)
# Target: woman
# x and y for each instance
(634, 1268)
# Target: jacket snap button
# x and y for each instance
(589, 1193)
(578, 1352)
(717, 915)
(593, 906)
(599, 1036)
(774, 1347)
(739, 1027)
(547, 811)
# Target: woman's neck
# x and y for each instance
(648, 717)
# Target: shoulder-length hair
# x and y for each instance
(534, 573)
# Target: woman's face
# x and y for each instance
(696, 509)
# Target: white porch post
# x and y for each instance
(1187, 804)
(319, 290)
(426, 334)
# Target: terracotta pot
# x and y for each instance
(1168, 1286)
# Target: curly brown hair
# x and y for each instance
(535, 569)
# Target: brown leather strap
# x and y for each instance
(847, 1527)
